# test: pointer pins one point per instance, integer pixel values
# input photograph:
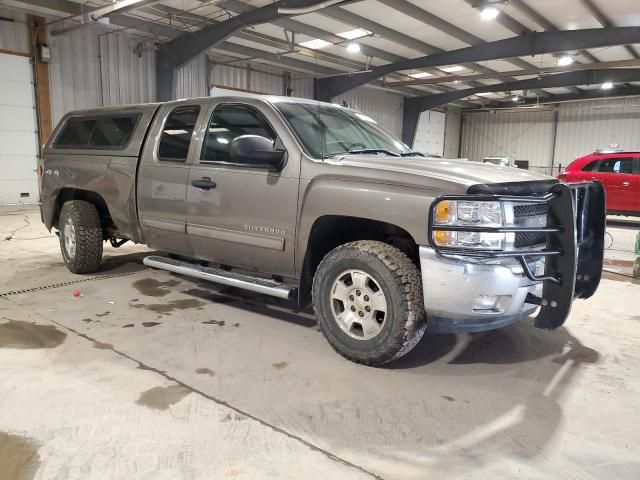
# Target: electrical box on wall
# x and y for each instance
(44, 53)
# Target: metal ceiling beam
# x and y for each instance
(503, 19)
(450, 29)
(529, 44)
(181, 50)
(443, 26)
(157, 30)
(518, 28)
(95, 13)
(592, 94)
(518, 73)
(414, 106)
(314, 32)
(168, 31)
(605, 22)
(543, 22)
(192, 20)
(189, 19)
(343, 15)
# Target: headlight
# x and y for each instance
(466, 213)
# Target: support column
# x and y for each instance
(410, 116)
(165, 74)
(38, 36)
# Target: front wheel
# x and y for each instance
(80, 236)
(368, 298)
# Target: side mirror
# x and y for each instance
(257, 151)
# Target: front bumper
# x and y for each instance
(457, 289)
(473, 290)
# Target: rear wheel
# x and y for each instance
(80, 236)
(368, 298)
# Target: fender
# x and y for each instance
(399, 205)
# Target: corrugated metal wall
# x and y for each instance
(302, 87)
(229, 76)
(521, 135)
(261, 79)
(384, 107)
(191, 80)
(88, 70)
(582, 127)
(586, 126)
(14, 35)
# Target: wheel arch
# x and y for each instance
(331, 231)
(68, 194)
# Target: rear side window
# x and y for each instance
(616, 165)
(590, 167)
(177, 133)
(110, 132)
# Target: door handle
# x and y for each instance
(204, 183)
(625, 184)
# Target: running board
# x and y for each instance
(217, 275)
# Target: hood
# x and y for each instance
(432, 172)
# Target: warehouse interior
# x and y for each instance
(138, 373)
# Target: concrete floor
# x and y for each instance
(148, 375)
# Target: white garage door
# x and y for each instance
(430, 133)
(18, 132)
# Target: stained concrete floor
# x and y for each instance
(148, 375)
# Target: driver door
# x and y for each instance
(241, 214)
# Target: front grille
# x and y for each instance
(528, 239)
(530, 210)
(530, 215)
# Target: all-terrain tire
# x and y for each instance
(80, 222)
(400, 281)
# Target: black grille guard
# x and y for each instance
(574, 245)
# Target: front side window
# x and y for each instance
(227, 123)
(325, 131)
(177, 133)
(616, 165)
(113, 132)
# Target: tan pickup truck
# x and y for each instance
(315, 202)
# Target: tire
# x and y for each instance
(80, 236)
(383, 336)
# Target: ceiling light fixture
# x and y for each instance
(565, 60)
(420, 75)
(355, 33)
(489, 13)
(316, 44)
(607, 86)
(452, 69)
(353, 48)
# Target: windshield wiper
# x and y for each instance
(412, 154)
(359, 151)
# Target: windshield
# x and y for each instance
(326, 131)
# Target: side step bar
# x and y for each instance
(216, 275)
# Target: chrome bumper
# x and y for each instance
(463, 294)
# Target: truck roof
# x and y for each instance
(233, 98)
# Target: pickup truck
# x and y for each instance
(316, 203)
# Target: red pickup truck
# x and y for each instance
(618, 171)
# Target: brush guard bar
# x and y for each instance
(574, 245)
